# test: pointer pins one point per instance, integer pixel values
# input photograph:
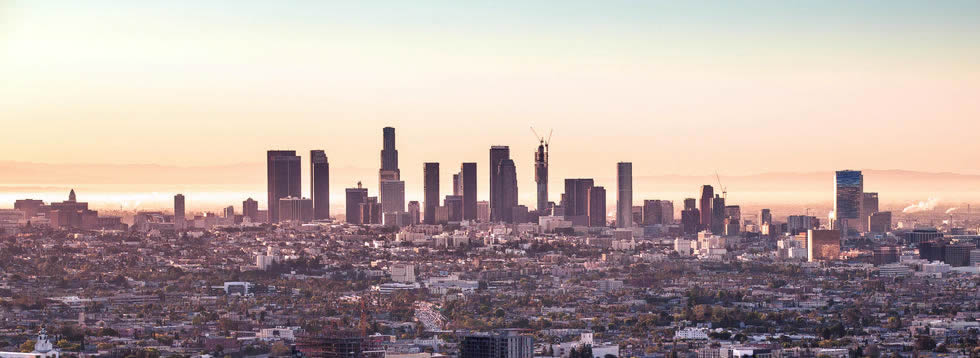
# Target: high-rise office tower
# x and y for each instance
(596, 202)
(667, 212)
(732, 221)
(180, 222)
(717, 215)
(456, 184)
(389, 176)
(848, 194)
(541, 176)
(295, 209)
(431, 200)
(506, 191)
(414, 212)
(691, 203)
(869, 206)
(576, 197)
(454, 205)
(498, 153)
(392, 196)
(880, 222)
(483, 211)
(229, 212)
(637, 213)
(624, 194)
(765, 217)
(704, 206)
(283, 169)
(733, 212)
(371, 211)
(355, 198)
(467, 181)
(250, 209)
(653, 212)
(690, 221)
(320, 184)
(389, 155)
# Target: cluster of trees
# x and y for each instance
(584, 351)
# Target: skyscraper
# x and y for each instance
(431, 200)
(371, 211)
(454, 205)
(765, 217)
(283, 169)
(392, 196)
(732, 221)
(597, 206)
(576, 198)
(848, 194)
(624, 194)
(295, 209)
(506, 191)
(250, 209)
(707, 195)
(320, 184)
(467, 180)
(653, 212)
(355, 198)
(414, 212)
(456, 185)
(180, 220)
(691, 203)
(880, 222)
(497, 154)
(483, 211)
(869, 206)
(389, 177)
(541, 176)
(389, 155)
(717, 215)
(690, 220)
(667, 212)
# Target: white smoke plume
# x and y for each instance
(921, 206)
(950, 210)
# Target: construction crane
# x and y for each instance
(724, 190)
(545, 142)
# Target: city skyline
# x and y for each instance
(220, 196)
(903, 187)
(519, 179)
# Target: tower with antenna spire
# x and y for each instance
(541, 170)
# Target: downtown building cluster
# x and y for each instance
(455, 276)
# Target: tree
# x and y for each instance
(872, 351)
(27, 346)
(280, 350)
(894, 323)
(925, 343)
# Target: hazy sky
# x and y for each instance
(677, 87)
